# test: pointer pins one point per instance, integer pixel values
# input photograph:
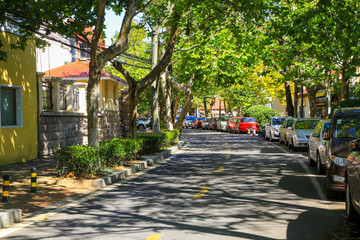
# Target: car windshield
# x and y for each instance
(234, 120)
(224, 118)
(277, 121)
(306, 124)
(248, 120)
(347, 127)
(190, 117)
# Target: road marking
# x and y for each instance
(220, 169)
(229, 149)
(201, 193)
(154, 237)
(227, 156)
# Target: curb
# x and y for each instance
(10, 216)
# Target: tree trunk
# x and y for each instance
(312, 90)
(155, 86)
(186, 108)
(167, 107)
(345, 92)
(133, 96)
(92, 102)
(239, 111)
(302, 103)
(289, 104)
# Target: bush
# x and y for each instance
(153, 142)
(79, 160)
(345, 104)
(261, 113)
(116, 151)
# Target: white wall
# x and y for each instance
(53, 55)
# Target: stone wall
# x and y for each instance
(65, 128)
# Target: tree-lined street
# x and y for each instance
(219, 186)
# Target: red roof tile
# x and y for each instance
(76, 70)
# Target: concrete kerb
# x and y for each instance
(10, 216)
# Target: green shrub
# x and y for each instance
(116, 151)
(345, 104)
(151, 142)
(79, 160)
(261, 113)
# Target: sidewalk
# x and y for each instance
(48, 192)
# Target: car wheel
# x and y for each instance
(290, 144)
(270, 138)
(319, 166)
(310, 161)
(350, 210)
(286, 142)
(141, 127)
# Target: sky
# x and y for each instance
(113, 24)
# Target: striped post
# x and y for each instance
(33, 180)
(6, 186)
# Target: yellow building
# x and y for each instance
(18, 102)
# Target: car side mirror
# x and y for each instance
(355, 145)
(315, 134)
(326, 136)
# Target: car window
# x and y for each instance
(306, 124)
(326, 128)
(248, 120)
(277, 121)
(283, 125)
(224, 118)
(347, 127)
(318, 127)
(289, 123)
(233, 120)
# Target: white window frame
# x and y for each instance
(19, 108)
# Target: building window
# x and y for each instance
(84, 51)
(10, 106)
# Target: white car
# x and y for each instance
(299, 132)
(317, 146)
(272, 129)
(187, 122)
(221, 123)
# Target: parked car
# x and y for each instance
(344, 127)
(352, 182)
(196, 123)
(261, 131)
(205, 123)
(317, 146)
(272, 128)
(283, 131)
(245, 124)
(142, 123)
(221, 123)
(212, 123)
(299, 132)
(187, 122)
(230, 125)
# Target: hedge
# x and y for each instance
(261, 113)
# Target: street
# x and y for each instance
(219, 186)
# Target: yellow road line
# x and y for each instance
(220, 169)
(154, 237)
(201, 193)
(227, 156)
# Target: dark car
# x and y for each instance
(344, 127)
(352, 181)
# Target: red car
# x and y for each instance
(245, 124)
(196, 123)
(230, 125)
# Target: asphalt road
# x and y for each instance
(220, 186)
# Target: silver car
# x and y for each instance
(299, 132)
(221, 123)
(283, 131)
(317, 146)
(272, 129)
